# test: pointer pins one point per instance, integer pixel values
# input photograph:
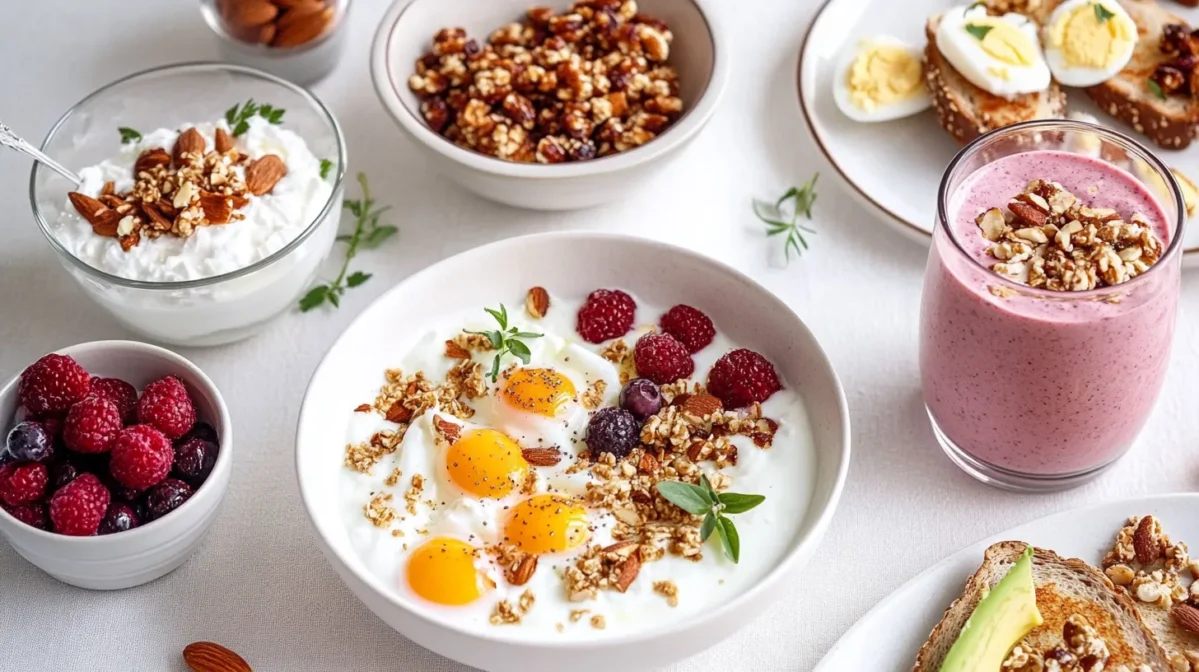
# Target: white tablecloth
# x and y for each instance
(259, 585)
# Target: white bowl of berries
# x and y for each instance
(116, 458)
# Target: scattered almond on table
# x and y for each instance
(211, 657)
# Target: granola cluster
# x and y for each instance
(554, 88)
(1046, 238)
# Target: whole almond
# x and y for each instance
(702, 405)
(541, 457)
(648, 464)
(264, 173)
(223, 141)
(250, 13)
(150, 159)
(1028, 213)
(524, 571)
(455, 351)
(303, 30)
(210, 657)
(537, 302)
(158, 220)
(111, 200)
(86, 206)
(216, 208)
(1143, 542)
(1187, 617)
(398, 413)
(109, 189)
(446, 428)
(107, 223)
(266, 33)
(298, 11)
(618, 546)
(628, 572)
(189, 142)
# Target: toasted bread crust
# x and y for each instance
(1145, 116)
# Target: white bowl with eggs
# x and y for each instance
(802, 474)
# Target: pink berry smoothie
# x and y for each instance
(1042, 383)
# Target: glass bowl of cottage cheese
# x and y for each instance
(209, 196)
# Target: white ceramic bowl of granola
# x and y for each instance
(197, 308)
(150, 551)
(700, 53)
(752, 318)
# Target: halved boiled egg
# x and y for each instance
(485, 463)
(999, 54)
(540, 391)
(546, 524)
(443, 570)
(1088, 42)
(881, 80)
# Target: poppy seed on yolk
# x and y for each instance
(546, 524)
(540, 391)
(442, 570)
(486, 463)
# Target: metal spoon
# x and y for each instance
(10, 139)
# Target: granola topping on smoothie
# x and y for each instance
(1046, 238)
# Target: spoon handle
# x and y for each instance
(10, 139)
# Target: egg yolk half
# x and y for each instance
(883, 74)
(1088, 41)
(1003, 41)
(442, 570)
(540, 391)
(486, 463)
(546, 524)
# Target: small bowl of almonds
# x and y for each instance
(554, 107)
(299, 40)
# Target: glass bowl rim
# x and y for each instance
(177, 68)
(1177, 235)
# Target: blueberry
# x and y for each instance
(613, 430)
(165, 497)
(119, 518)
(29, 441)
(62, 473)
(194, 459)
(641, 397)
(200, 430)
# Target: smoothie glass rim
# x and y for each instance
(1177, 233)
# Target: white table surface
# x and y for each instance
(259, 585)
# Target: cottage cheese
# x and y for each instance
(271, 221)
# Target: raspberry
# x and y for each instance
(166, 407)
(91, 425)
(607, 314)
(30, 514)
(741, 377)
(78, 508)
(690, 326)
(165, 498)
(52, 384)
(120, 393)
(29, 441)
(612, 430)
(662, 358)
(23, 483)
(194, 459)
(119, 518)
(141, 457)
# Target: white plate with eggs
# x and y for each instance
(892, 154)
(440, 605)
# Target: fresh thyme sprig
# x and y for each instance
(128, 135)
(238, 116)
(368, 234)
(703, 500)
(506, 340)
(779, 222)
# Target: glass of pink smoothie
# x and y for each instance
(1029, 388)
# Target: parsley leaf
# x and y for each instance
(326, 165)
(238, 117)
(128, 135)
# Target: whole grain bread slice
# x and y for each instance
(1065, 587)
(1172, 122)
(966, 111)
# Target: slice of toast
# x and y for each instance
(1065, 587)
(966, 111)
(1172, 122)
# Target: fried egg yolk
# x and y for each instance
(486, 463)
(442, 570)
(540, 391)
(546, 524)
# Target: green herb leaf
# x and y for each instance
(729, 539)
(238, 116)
(128, 135)
(1157, 89)
(326, 166)
(527, 334)
(506, 341)
(691, 498)
(502, 318)
(367, 232)
(978, 31)
(708, 527)
(520, 350)
(315, 297)
(800, 201)
(1103, 13)
(733, 502)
